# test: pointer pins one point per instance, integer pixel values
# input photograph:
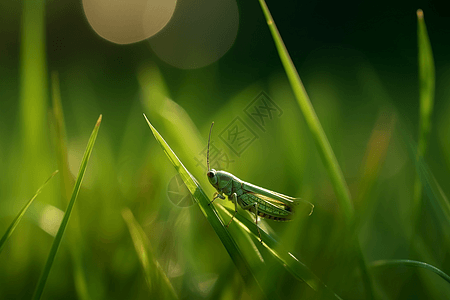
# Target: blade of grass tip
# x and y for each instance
(213, 218)
(19, 216)
(426, 92)
(293, 265)
(154, 275)
(59, 235)
(326, 152)
(410, 263)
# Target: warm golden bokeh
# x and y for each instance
(128, 21)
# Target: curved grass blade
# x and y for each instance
(57, 241)
(326, 152)
(211, 215)
(409, 263)
(17, 219)
(324, 147)
(156, 279)
(287, 259)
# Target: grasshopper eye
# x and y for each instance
(210, 174)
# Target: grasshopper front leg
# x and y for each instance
(216, 195)
(234, 200)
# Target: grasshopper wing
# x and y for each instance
(288, 200)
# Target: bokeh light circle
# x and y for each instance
(128, 21)
(199, 33)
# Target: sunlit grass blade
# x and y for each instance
(213, 218)
(285, 258)
(426, 92)
(57, 241)
(17, 219)
(409, 263)
(157, 281)
(323, 145)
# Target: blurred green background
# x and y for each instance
(358, 62)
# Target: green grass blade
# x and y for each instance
(426, 92)
(17, 219)
(155, 277)
(410, 263)
(323, 145)
(57, 241)
(211, 215)
(287, 259)
(426, 82)
(326, 152)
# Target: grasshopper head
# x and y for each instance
(212, 176)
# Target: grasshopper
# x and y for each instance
(260, 201)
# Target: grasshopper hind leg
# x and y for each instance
(256, 221)
(255, 205)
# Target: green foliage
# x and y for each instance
(349, 146)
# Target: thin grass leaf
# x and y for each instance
(426, 82)
(57, 241)
(155, 277)
(409, 263)
(326, 152)
(426, 92)
(324, 147)
(293, 265)
(17, 219)
(212, 216)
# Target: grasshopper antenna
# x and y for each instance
(207, 153)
